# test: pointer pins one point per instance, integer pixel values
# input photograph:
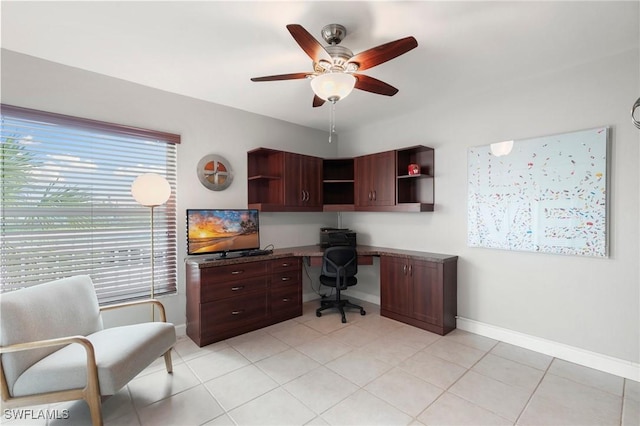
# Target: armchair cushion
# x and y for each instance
(121, 353)
(66, 307)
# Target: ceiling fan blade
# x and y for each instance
(373, 85)
(317, 101)
(383, 53)
(293, 76)
(308, 43)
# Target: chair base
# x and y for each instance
(338, 304)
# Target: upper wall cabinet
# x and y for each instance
(415, 189)
(283, 182)
(338, 184)
(399, 180)
(302, 183)
(375, 181)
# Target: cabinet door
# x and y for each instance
(375, 179)
(382, 167)
(427, 292)
(363, 192)
(395, 287)
(292, 183)
(311, 180)
(303, 181)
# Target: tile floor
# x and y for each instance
(370, 371)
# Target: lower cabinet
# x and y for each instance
(419, 292)
(231, 299)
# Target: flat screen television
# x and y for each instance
(220, 231)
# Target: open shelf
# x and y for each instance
(338, 184)
(416, 190)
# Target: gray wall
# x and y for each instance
(582, 302)
(588, 303)
(205, 128)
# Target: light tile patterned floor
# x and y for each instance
(370, 371)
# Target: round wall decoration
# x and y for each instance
(215, 172)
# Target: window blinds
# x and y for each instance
(67, 209)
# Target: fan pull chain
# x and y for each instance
(332, 121)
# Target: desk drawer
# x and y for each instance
(286, 264)
(286, 301)
(222, 274)
(285, 278)
(232, 288)
(227, 314)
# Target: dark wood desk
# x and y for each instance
(227, 297)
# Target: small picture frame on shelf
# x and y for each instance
(413, 169)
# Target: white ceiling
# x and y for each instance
(209, 49)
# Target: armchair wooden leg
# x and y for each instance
(95, 408)
(167, 361)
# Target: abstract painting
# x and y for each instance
(548, 194)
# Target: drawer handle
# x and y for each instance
(236, 312)
(286, 300)
(285, 265)
(240, 287)
(285, 278)
(236, 272)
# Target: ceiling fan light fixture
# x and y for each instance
(333, 86)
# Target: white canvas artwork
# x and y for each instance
(549, 194)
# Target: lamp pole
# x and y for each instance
(151, 190)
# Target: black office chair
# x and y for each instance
(339, 267)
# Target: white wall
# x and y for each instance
(583, 302)
(205, 128)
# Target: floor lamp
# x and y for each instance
(151, 190)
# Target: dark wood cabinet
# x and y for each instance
(395, 287)
(302, 182)
(281, 181)
(419, 292)
(231, 299)
(415, 192)
(338, 184)
(375, 180)
(285, 296)
(265, 185)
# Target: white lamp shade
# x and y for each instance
(333, 86)
(501, 148)
(151, 189)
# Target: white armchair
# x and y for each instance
(53, 346)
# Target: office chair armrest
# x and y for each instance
(156, 302)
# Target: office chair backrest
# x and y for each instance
(341, 260)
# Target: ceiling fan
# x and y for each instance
(336, 69)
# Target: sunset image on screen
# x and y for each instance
(222, 230)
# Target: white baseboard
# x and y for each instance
(181, 330)
(608, 364)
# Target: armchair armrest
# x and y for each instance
(156, 302)
(91, 392)
(59, 341)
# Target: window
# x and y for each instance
(67, 209)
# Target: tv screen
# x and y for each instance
(222, 230)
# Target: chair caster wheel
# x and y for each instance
(318, 314)
(344, 320)
(362, 312)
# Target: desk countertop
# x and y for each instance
(317, 251)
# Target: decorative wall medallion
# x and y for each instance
(215, 172)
